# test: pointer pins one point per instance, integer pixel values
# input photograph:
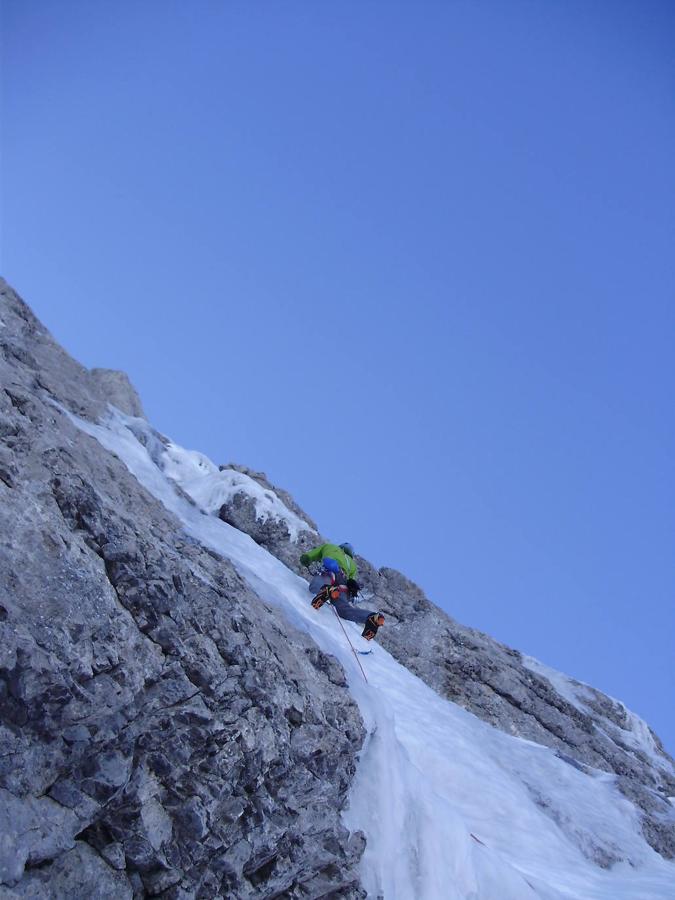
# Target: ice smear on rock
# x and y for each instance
(210, 487)
(452, 808)
(633, 732)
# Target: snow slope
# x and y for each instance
(452, 808)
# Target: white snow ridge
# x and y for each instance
(452, 808)
(210, 488)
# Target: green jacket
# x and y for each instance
(318, 554)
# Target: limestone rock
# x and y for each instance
(145, 690)
(119, 391)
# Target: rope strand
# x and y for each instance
(356, 657)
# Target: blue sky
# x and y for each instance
(414, 260)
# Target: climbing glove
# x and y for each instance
(353, 587)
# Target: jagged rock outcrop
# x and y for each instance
(271, 533)
(494, 681)
(283, 495)
(163, 731)
(118, 390)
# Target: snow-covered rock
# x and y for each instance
(516, 694)
(176, 720)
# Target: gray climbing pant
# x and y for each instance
(342, 606)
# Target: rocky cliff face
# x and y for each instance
(163, 731)
(495, 682)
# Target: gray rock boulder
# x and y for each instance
(118, 390)
(272, 534)
(283, 495)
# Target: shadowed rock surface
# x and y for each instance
(163, 731)
(270, 533)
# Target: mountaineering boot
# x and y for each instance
(327, 592)
(321, 597)
(372, 624)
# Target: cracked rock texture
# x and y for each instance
(163, 732)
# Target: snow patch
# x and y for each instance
(452, 808)
(563, 684)
(200, 478)
(210, 488)
(637, 735)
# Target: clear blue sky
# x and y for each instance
(414, 260)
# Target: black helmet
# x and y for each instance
(347, 547)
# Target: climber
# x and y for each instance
(336, 582)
